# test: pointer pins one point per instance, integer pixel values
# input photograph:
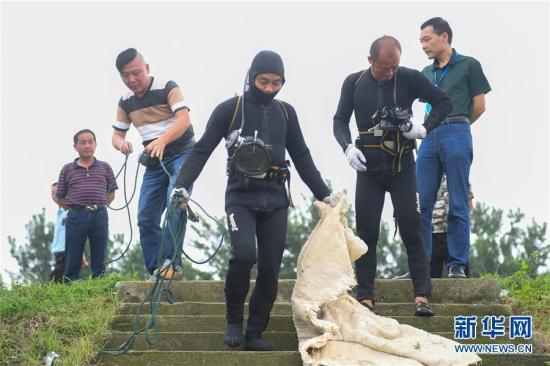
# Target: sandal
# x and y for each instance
(371, 308)
(423, 309)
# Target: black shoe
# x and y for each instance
(456, 271)
(405, 276)
(257, 344)
(233, 336)
(423, 309)
(371, 308)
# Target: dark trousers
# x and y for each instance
(440, 256)
(256, 236)
(82, 225)
(59, 267)
(369, 201)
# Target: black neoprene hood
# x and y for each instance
(264, 62)
(267, 62)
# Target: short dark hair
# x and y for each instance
(75, 138)
(439, 25)
(376, 45)
(125, 57)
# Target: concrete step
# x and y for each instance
(448, 291)
(202, 358)
(212, 341)
(280, 358)
(278, 323)
(285, 308)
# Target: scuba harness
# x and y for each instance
(391, 139)
(251, 155)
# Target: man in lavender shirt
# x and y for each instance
(84, 188)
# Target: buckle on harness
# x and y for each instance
(279, 173)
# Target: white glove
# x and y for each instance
(406, 127)
(416, 132)
(356, 159)
(331, 200)
(181, 197)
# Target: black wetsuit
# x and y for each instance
(364, 96)
(256, 208)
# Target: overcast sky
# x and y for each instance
(58, 76)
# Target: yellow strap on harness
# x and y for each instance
(234, 115)
(384, 145)
(281, 104)
(273, 167)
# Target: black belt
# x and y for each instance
(87, 208)
(171, 151)
(455, 119)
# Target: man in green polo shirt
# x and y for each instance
(448, 149)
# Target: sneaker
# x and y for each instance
(405, 276)
(456, 271)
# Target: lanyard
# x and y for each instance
(443, 74)
(437, 83)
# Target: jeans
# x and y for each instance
(448, 148)
(79, 226)
(153, 199)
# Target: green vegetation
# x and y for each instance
(35, 258)
(301, 222)
(499, 242)
(529, 294)
(72, 321)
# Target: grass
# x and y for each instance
(74, 320)
(530, 295)
(71, 320)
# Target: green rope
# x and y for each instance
(162, 286)
(126, 206)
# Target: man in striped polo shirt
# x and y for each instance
(157, 110)
(84, 187)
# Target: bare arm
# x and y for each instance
(63, 203)
(156, 147)
(110, 197)
(119, 142)
(478, 107)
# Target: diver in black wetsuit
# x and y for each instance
(256, 201)
(382, 96)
